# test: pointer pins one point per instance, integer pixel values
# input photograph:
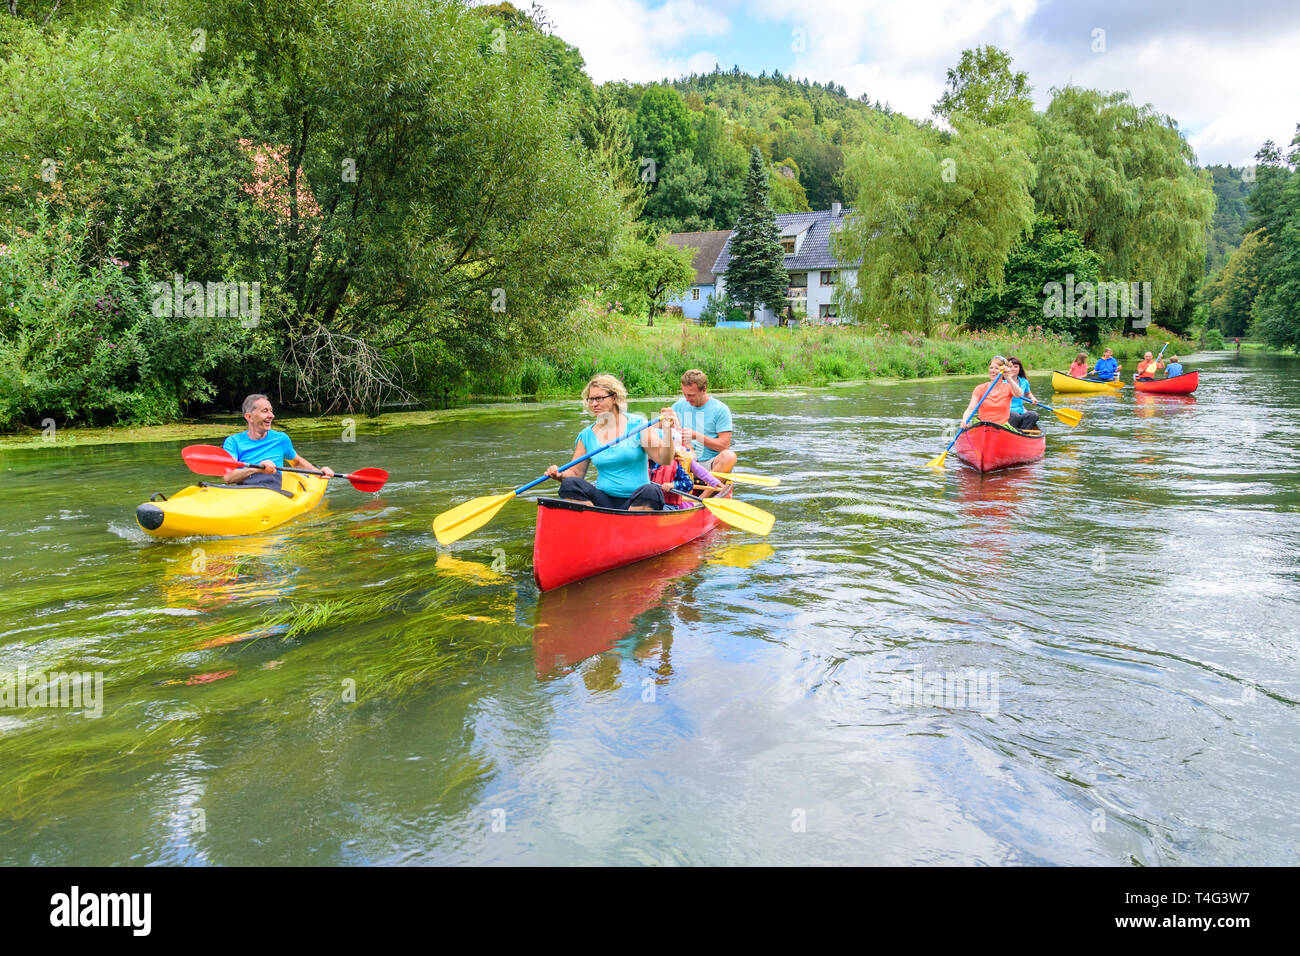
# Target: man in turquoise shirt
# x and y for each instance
(270, 450)
(706, 423)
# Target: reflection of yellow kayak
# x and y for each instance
(1066, 383)
(229, 510)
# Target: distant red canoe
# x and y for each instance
(576, 541)
(987, 447)
(1183, 384)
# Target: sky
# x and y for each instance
(1225, 71)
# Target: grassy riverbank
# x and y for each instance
(650, 361)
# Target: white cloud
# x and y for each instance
(633, 40)
(1227, 76)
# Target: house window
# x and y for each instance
(695, 294)
(830, 276)
(828, 312)
(788, 246)
(799, 280)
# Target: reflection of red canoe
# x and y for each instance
(591, 616)
(1183, 384)
(987, 447)
(576, 541)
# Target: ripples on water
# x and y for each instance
(1120, 620)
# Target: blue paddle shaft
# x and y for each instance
(591, 454)
(973, 411)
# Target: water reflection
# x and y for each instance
(1151, 404)
(587, 618)
(208, 573)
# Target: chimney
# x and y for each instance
(835, 210)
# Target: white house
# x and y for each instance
(814, 272)
(704, 247)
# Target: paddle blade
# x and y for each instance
(740, 515)
(937, 463)
(459, 521)
(208, 459)
(1068, 416)
(763, 481)
(368, 479)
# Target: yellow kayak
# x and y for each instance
(1066, 383)
(229, 510)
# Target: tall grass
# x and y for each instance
(650, 360)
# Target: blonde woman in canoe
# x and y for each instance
(995, 408)
(622, 470)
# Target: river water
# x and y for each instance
(1093, 659)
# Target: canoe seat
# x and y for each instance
(222, 484)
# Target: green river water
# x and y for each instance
(1122, 618)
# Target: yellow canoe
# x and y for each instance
(1066, 383)
(229, 510)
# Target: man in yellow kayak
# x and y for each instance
(271, 450)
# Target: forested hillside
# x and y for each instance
(1232, 186)
(413, 199)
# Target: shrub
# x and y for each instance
(79, 341)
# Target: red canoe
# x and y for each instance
(575, 541)
(987, 447)
(1183, 384)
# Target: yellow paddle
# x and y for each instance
(461, 520)
(738, 514)
(1067, 416)
(938, 462)
(763, 481)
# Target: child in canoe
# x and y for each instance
(1174, 367)
(1080, 367)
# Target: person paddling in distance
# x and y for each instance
(1148, 367)
(271, 450)
(996, 408)
(1017, 416)
(1080, 366)
(707, 423)
(1107, 368)
(1174, 367)
(621, 471)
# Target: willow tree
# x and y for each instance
(1123, 177)
(982, 88)
(934, 217)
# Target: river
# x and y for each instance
(1092, 659)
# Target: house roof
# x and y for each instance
(707, 246)
(814, 252)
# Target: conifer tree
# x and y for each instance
(756, 273)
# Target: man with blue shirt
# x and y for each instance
(1174, 367)
(1107, 368)
(706, 423)
(271, 450)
